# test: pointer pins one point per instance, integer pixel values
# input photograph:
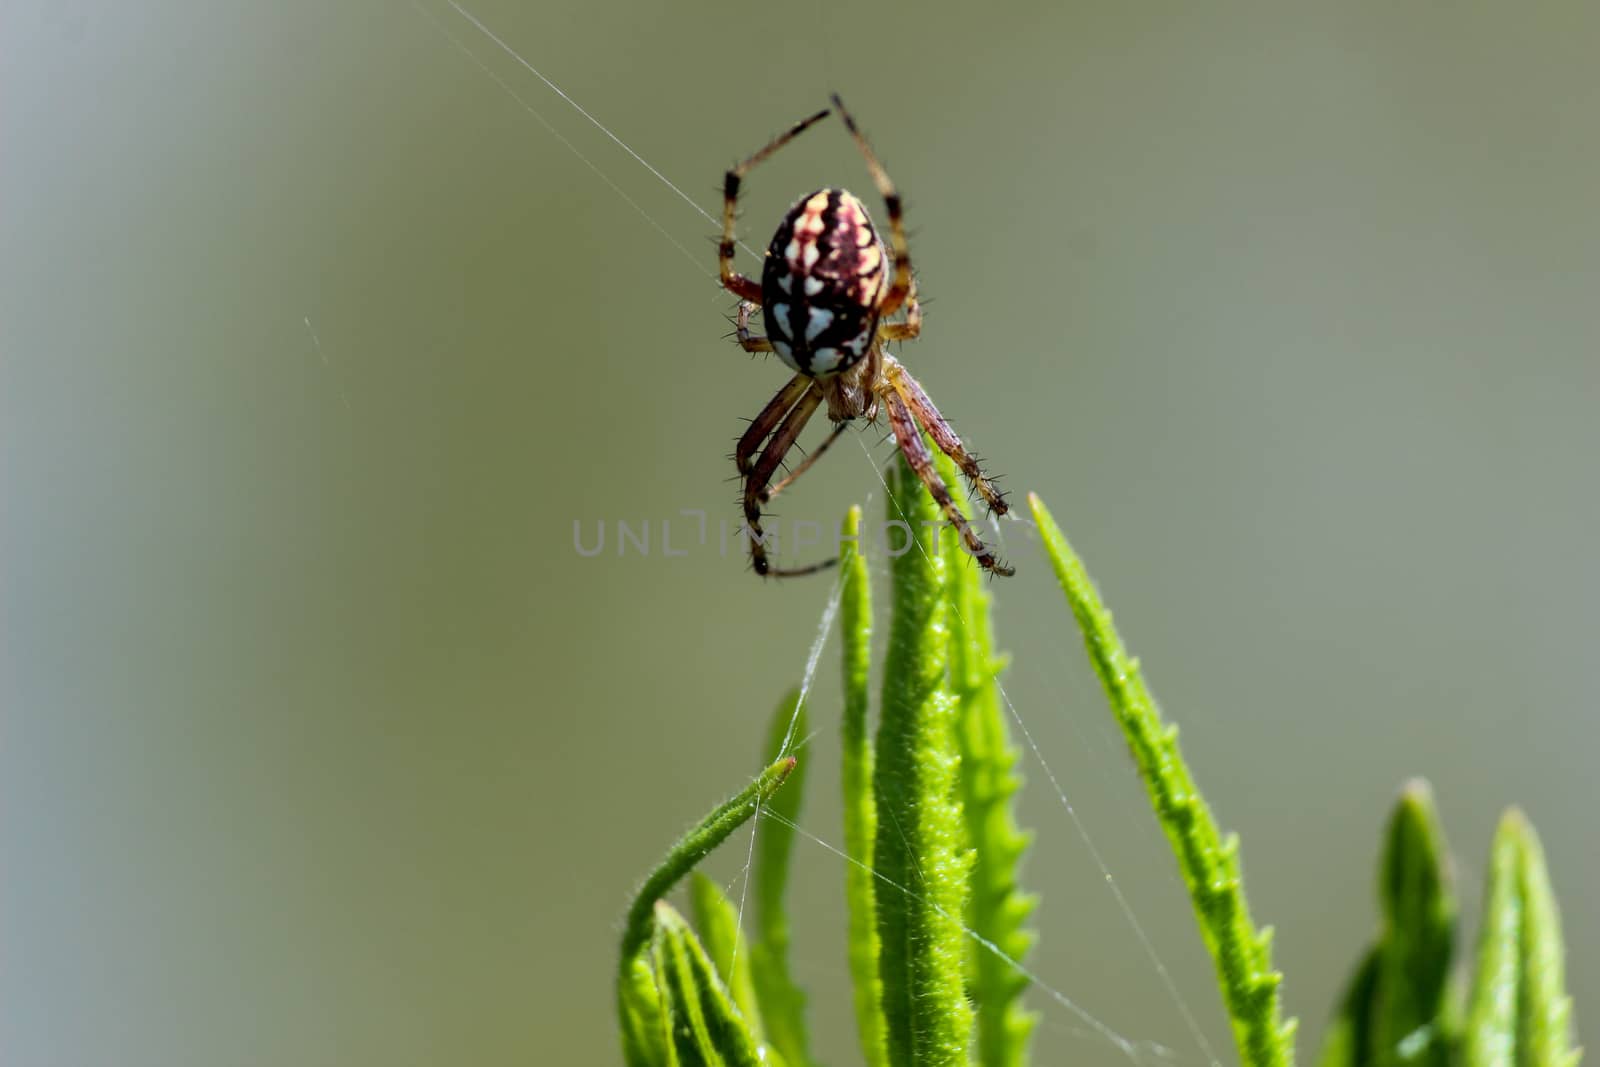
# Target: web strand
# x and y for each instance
(812, 660)
(553, 87)
(531, 110)
(829, 613)
(1132, 1049)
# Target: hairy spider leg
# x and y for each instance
(908, 436)
(739, 285)
(900, 286)
(748, 341)
(761, 427)
(945, 437)
(773, 490)
(911, 327)
(760, 475)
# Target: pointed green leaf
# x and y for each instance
(706, 1028)
(671, 1030)
(639, 1005)
(642, 1016)
(1546, 1007)
(1490, 1038)
(717, 920)
(920, 849)
(1349, 1031)
(1519, 1014)
(860, 811)
(1207, 860)
(1405, 1015)
(1410, 1017)
(998, 909)
(783, 1003)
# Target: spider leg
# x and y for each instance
(928, 415)
(761, 427)
(736, 283)
(909, 437)
(777, 487)
(911, 327)
(755, 482)
(747, 340)
(900, 285)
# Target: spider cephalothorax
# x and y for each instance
(829, 286)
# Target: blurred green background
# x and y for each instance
(322, 745)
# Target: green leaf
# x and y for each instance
(1208, 860)
(1410, 1018)
(1399, 1009)
(718, 922)
(676, 1034)
(669, 1029)
(640, 1010)
(1348, 1036)
(706, 1029)
(860, 810)
(1519, 1014)
(642, 1016)
(920, 845)
(783, 1003)
(998, 909)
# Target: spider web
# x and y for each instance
(1084, 1025)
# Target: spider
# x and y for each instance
(828, 287)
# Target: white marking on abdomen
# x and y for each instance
(818, 319)
(824, 360)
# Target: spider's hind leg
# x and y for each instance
(783, 419)
(777, 487)
(908, 436)
(928, 415)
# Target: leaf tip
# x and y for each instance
(1515, 821)
(1041, 514)
(1418, 790)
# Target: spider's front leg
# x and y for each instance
(909, 437)
(900, 280)
(736, 283)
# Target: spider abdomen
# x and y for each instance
(822, 282)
